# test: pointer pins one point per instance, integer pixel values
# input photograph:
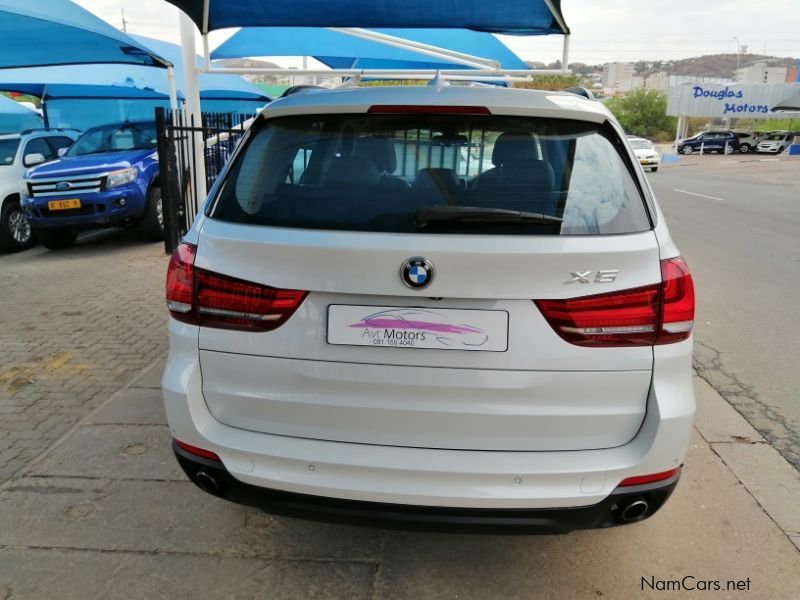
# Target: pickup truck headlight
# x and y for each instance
(121, 177)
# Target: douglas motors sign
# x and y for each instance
(731, 98)
(736, 100)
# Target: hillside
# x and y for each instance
(245, 63)
(710, 65)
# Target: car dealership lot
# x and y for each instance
(93, 504)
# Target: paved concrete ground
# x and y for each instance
(737, 222)
(108, 514)
(75, 325)
(92, 505)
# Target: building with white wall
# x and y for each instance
(614, 73)
(761, 73)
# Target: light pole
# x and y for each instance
(738, 56)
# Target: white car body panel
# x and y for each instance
(544, 424)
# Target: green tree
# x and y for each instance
(548, 82)
(643, 112)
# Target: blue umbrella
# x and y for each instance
(520, 17)
(59, 32)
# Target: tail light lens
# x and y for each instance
(677, 312)
(655, 314)
(201, 297)
(180, 283)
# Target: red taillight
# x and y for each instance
(180, 283)
(197, 451)
(427, 110)
(627, 318)
(235, 304)
(655, 314)
(641, 479)
(677, 313)
(209, 299)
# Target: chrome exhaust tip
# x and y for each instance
(635, 511)
(206, 482)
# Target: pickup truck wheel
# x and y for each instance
(15, 230)
(153, 222)
(744, 148)
(56, 239)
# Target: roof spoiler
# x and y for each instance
(580, 91)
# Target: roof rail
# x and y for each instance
(580, 91)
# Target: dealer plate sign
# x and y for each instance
(411, 327)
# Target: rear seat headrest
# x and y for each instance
(513, 147)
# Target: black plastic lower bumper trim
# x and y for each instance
(212, 477)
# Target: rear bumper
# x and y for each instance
(609, 512)
(426, 477)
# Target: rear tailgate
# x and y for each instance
(533, 391)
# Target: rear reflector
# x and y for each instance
(197, 451)
(201, 297)
(428, 110)
(655, 314)
(642, 479)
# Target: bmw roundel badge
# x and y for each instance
(416, 272)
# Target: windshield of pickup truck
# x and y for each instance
(8, 150)
(119, 137)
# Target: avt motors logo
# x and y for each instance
(414, 327)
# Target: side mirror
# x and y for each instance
(33, 159)
(62, 151)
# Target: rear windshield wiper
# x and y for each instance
(475, 214)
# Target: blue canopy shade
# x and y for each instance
(129, 81)
(15, 118)
(99, 92)
(342, 51)
(59, 32)
(516, 17)
(212, 86)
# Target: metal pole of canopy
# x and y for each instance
(173, 90)
(191, 91)
(418, 47)
(565, 55)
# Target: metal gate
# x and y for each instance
(179, 139)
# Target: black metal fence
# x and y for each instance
(180, 142)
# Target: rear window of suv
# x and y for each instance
(380, 172)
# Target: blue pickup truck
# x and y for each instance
(107, 178)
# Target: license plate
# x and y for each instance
(64, 204)
(410, 327)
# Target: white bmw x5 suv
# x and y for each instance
(432, 307)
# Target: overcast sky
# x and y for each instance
(612, 30)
